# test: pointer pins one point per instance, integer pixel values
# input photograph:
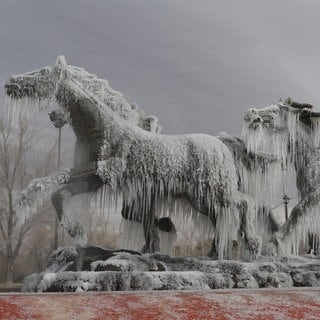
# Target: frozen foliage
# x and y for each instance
(128, 271)
(291, 135)
(134, 160)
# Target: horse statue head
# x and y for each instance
(36, 89)
(40, 84)
(283, 130)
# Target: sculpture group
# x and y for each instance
(223, 177)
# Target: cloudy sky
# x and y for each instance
(197, 65)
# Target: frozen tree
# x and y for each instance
(20, 160)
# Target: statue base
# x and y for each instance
(73, 269)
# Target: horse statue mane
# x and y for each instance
(118, 146)
(38, 88)
(290, 132)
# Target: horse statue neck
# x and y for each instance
(101, 117)
(100, 93)
(79, 84)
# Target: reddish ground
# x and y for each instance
(223, 304)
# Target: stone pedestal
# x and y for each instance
(91, 268)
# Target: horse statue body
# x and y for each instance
(118, 146)
(290, 132)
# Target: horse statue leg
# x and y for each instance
(80, 183)
(253, 242)
(151, 226)
(213, 251)
(313, 242)
(246, 233)
(151, 232)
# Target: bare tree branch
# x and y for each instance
(16, 149)
(3, 232)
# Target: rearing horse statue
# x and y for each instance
(119, 146)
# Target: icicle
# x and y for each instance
(278, 140)
(316, 131)
(24, 108)
(131, 235)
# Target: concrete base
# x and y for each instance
(302, 303)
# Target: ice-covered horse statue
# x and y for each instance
(35, 90)
(146, 167)
(290, 132)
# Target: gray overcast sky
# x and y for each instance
(197, 65)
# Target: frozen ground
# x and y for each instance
(266, 304)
